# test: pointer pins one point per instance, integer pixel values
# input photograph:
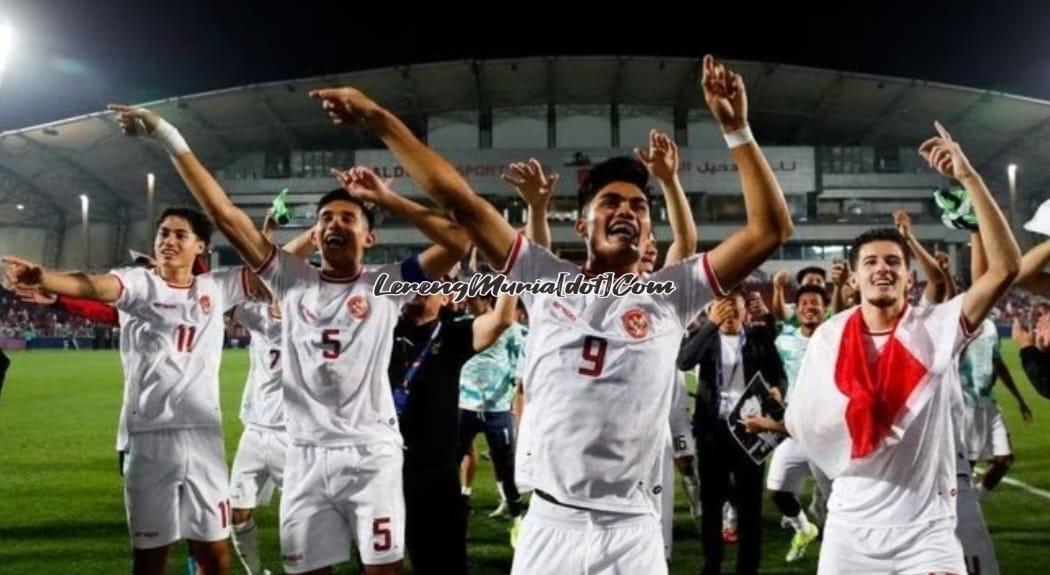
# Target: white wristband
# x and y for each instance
(739, 137)
(170, 138)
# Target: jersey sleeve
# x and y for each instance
(232, 284)
(695, 285)
(945, 323)
(528, 261)
(134, 288)
(282, 270)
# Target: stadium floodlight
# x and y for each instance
(7, 44)
(83, 202)
(20, 207)
(1011, 171)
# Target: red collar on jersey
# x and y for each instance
(193, 280)
(352, 279)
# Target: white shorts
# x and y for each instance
(988, 436)
(335, 495)
(978, 551)
(920, 549)
(788, 468)
(556, 540)
(176, 487)
(258, 466)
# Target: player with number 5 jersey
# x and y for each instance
(342, 479)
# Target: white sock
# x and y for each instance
(729, 516)
(246, 543)
(799, 523)
(465, 491)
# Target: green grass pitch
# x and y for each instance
(62, 510)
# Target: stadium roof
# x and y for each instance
(46, 167)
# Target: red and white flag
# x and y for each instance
(844, 407)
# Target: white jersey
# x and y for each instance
(263, 401)
(337, 341)
(599, 381)
(682, 441)
(171, 346)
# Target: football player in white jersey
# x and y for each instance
(343, 477)
(258, 465)
(600, 370)
(176, 484)
(873, 398)
(661, 159)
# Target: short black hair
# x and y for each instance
(618, 169)
(199, 222)
(879, 235)
(341, 195)
(803, 290)
(811, 270)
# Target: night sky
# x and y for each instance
(73, 56)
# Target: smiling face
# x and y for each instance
(175, 245)
(616, 225)
(342, 234)
(881, 276)
(810, 309)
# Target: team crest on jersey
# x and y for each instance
(205, 303)
(636, 323)
(358, 306)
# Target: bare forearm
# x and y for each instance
(537, 227)
(431, 223)
(680, 216)
(1001, 251)
(232, 221)
(768, 220)
(780, 312)
(301, 245)
(1032, 276)
(440, 180)
(934, 275)
(978, 261)
(82, 286)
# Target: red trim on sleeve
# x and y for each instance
(121, 283)
(968, 332)
(712, 279)
(244, 282)
(266, 262)
(515, 251)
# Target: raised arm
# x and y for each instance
(536, 189)
(944, 261)
(1032, 276)
(451, 242)
(1004, 257)
(439, 179)
(662, 161)
(24, 275)
(234, 223)
(935, 282)
(489, 326)
(780, 281)
(768, 220)
(839, 276)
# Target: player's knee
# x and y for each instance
(241, 516)
(212, 558)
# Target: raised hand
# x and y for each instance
(22, 274)
(135, 121)
(661, 158)
(902, 221)
(945, 155)
(725, 95)
(528, 178)
(347, 105)
(781, 279)
(839, 272)
(722, 311)
(944, 261)
(364, 184)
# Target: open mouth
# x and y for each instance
(169, 252)
(334, 240)
(883, 282)
(624, 230)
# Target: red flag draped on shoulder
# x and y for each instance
(845, 406)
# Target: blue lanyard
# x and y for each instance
(414, 368)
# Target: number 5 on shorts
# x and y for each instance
(381, 534)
